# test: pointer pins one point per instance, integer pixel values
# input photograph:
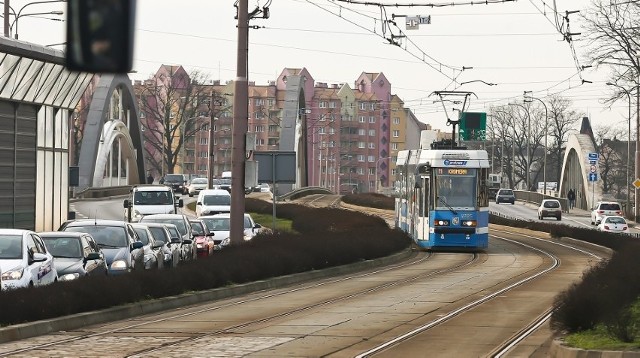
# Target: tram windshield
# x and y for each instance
(455, 188)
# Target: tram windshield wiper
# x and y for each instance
(447, 205)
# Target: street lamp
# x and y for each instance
(7, 7)
(546, 132)
(15, 21)
(528, 162)
(628, 146)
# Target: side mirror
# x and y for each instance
(175, 240)
(92, 256)
(211, 234)
(187, 242)
(137, 245)
(257, 226)
(100, 35)
(198, 203)
(180, 203)
(37, 257)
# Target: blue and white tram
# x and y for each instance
(443, 198)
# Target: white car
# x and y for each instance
(25, 260)
(605, 208)
(196, 185)
(613, 224)
(264, 188)
(550, 208)
(213, 201)
(220, 225)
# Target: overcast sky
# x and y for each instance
(511, 44)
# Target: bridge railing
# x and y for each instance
(103, 192)
(536, 198)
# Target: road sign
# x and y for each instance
(473, 125)
(593, 177)
(414, 22)
(593, 156)
(636, 183)
(593, 162)
(593, 169)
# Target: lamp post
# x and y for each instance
(8, 25)
(546, 132)
(637, 161)
(628, 146)
(15, 21)
(528, 162)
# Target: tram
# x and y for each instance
(443, 201)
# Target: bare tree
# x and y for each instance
(611, 163)
(171, 105)
(562, 121)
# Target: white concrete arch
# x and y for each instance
(125, 157)
(575, 169)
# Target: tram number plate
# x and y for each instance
(457, 171)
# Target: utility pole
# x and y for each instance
(637, 162)
(6, 18)
(212, 148)
(240, 126)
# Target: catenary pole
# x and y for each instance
(240, 126)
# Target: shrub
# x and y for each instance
(372, 200)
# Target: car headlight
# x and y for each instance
(119, 265)
(69, 276)
(200, 246)
(439, 222)
(471, 223)
(13, 274)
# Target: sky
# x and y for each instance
(514, 45)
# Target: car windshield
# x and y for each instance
(615, 220)
(551, 204)
(63, 247)
(153, 198)
(216, 200)
(197, 228)
(173, 178)
(179, 223)
(247, 223)
(609, 206)
(105, 236)
(199, 181)
(216, 224)
(143, 235)
(225, 181)
(506, 192)
(159, 234)
(10, 247)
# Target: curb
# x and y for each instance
(78, 320)
(559, 350)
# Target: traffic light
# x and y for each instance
(473, 125)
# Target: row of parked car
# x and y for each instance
(110, 247)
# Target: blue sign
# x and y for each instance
(593, 156)
(593, 176)
(455, 162)
(593, 162)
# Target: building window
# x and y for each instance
(372, 132)
(360, 170)
(360, 144)
(362, 119)
(259, 102)
(189, 167)
(273, 141)
(372, 145)
(259, 141)
(393, 172)
(373, 106)
(271, 101)
(205, 127)
(362, 131)
(273, 128)
(372, 119)
(332, 104)
(371, 159)
(363, 105)
(259, 129)
(204, 141)
(396, 133)
(203, 154)
(394, 146)
(360, 158)
(323, 104)
(189, 153)
(396, 120)
(372, 171)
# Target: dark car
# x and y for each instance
(76, 254)
(177, 182)
(172, 243)
(153, 253)
(505, 196)
(203, 238)
(120, 244)
(181, 221)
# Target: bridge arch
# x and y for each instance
(112, 146)
(575, 170)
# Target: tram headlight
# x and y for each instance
(439, 222)
(469, 223)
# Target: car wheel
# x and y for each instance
(559, 218)
(191, 195)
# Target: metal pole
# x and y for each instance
(240, 126)
(273, 195)
(212, 152)
(6, 18)
(637, 161)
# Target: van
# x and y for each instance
(213, 201)
(150, 199)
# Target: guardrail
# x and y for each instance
(103, 192)
(536, 198)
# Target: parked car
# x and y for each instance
(613, 224)
(118, 240)
(203, 238)
(24, 260)
(196, 185)
(172, 243)
(262, 188)
(181, 221)
(177, 182)
(76, 254)
(605, 208)
(505, 196)
(150, 199)
(153, 253)
(550, 208)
